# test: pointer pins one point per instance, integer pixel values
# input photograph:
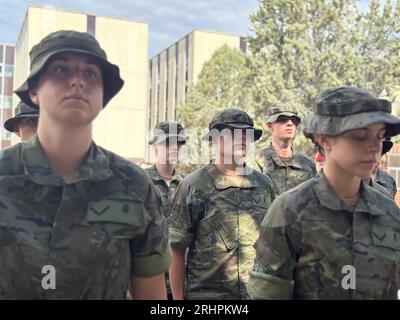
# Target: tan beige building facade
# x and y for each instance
(121, 127)
(174, 69)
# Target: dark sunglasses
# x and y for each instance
(284, 119)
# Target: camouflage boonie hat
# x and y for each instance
(70, 41)
(340, 109)
(165, 130)
(275, 111)
(232, 118)
(22, 111)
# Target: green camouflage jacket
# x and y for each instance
(285, 175)
(310, 238)
(387, 181)
(97, 231)
(218, 220)
(167, 192)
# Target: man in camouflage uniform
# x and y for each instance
(286, 167)
(312, 238)
(168, 138)
(24, 123)
(67, 204)
(383, 178)
(216, 214)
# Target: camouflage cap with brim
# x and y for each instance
(22, 111)
(338, 110)
(275, 111)
(232, 118)
(274, 117)
(76, 42)
(172, 131)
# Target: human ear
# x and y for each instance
(34, 96)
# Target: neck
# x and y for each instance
(165, 170)
(283, 148)
(346, 186)
(233, 169)
(65, 147)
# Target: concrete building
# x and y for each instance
(6, 90)
(121, 127)
(177, 67)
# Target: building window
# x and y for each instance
(166, 86)
(8, 70)
(394, 167)
(91, 25)
(176, 73)
(5, 135)
(187, 58)
(158, 88)
(6, 102)
(243, 44)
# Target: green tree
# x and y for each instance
(299, 47)
(222, 83)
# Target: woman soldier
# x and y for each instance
(76, 221)
(334, 237)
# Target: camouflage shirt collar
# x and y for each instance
(367, 203)
(153, 172)
(294, 162)
(222, 181)
(95, 166)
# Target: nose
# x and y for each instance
(375, 146)
(77, 78)
(290, 123)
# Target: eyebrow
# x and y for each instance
(65, 58)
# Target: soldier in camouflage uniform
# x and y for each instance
(24, 123)
(168, 138)
(286, 167)
(383, 178)
(216, 214)
(334, 237)
(90, 215)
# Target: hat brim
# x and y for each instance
(112, 80)
(386, 146)
(181, 139)
(10, 124)
(274, 117)
(334, 126)
(257, 132)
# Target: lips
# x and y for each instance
(368, 163)
(76, 97)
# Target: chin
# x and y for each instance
(76, 120)
(362, 173)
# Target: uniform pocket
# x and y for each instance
(385, 236)
(116, 218)
(388, 239)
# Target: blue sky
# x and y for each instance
(168, 20)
